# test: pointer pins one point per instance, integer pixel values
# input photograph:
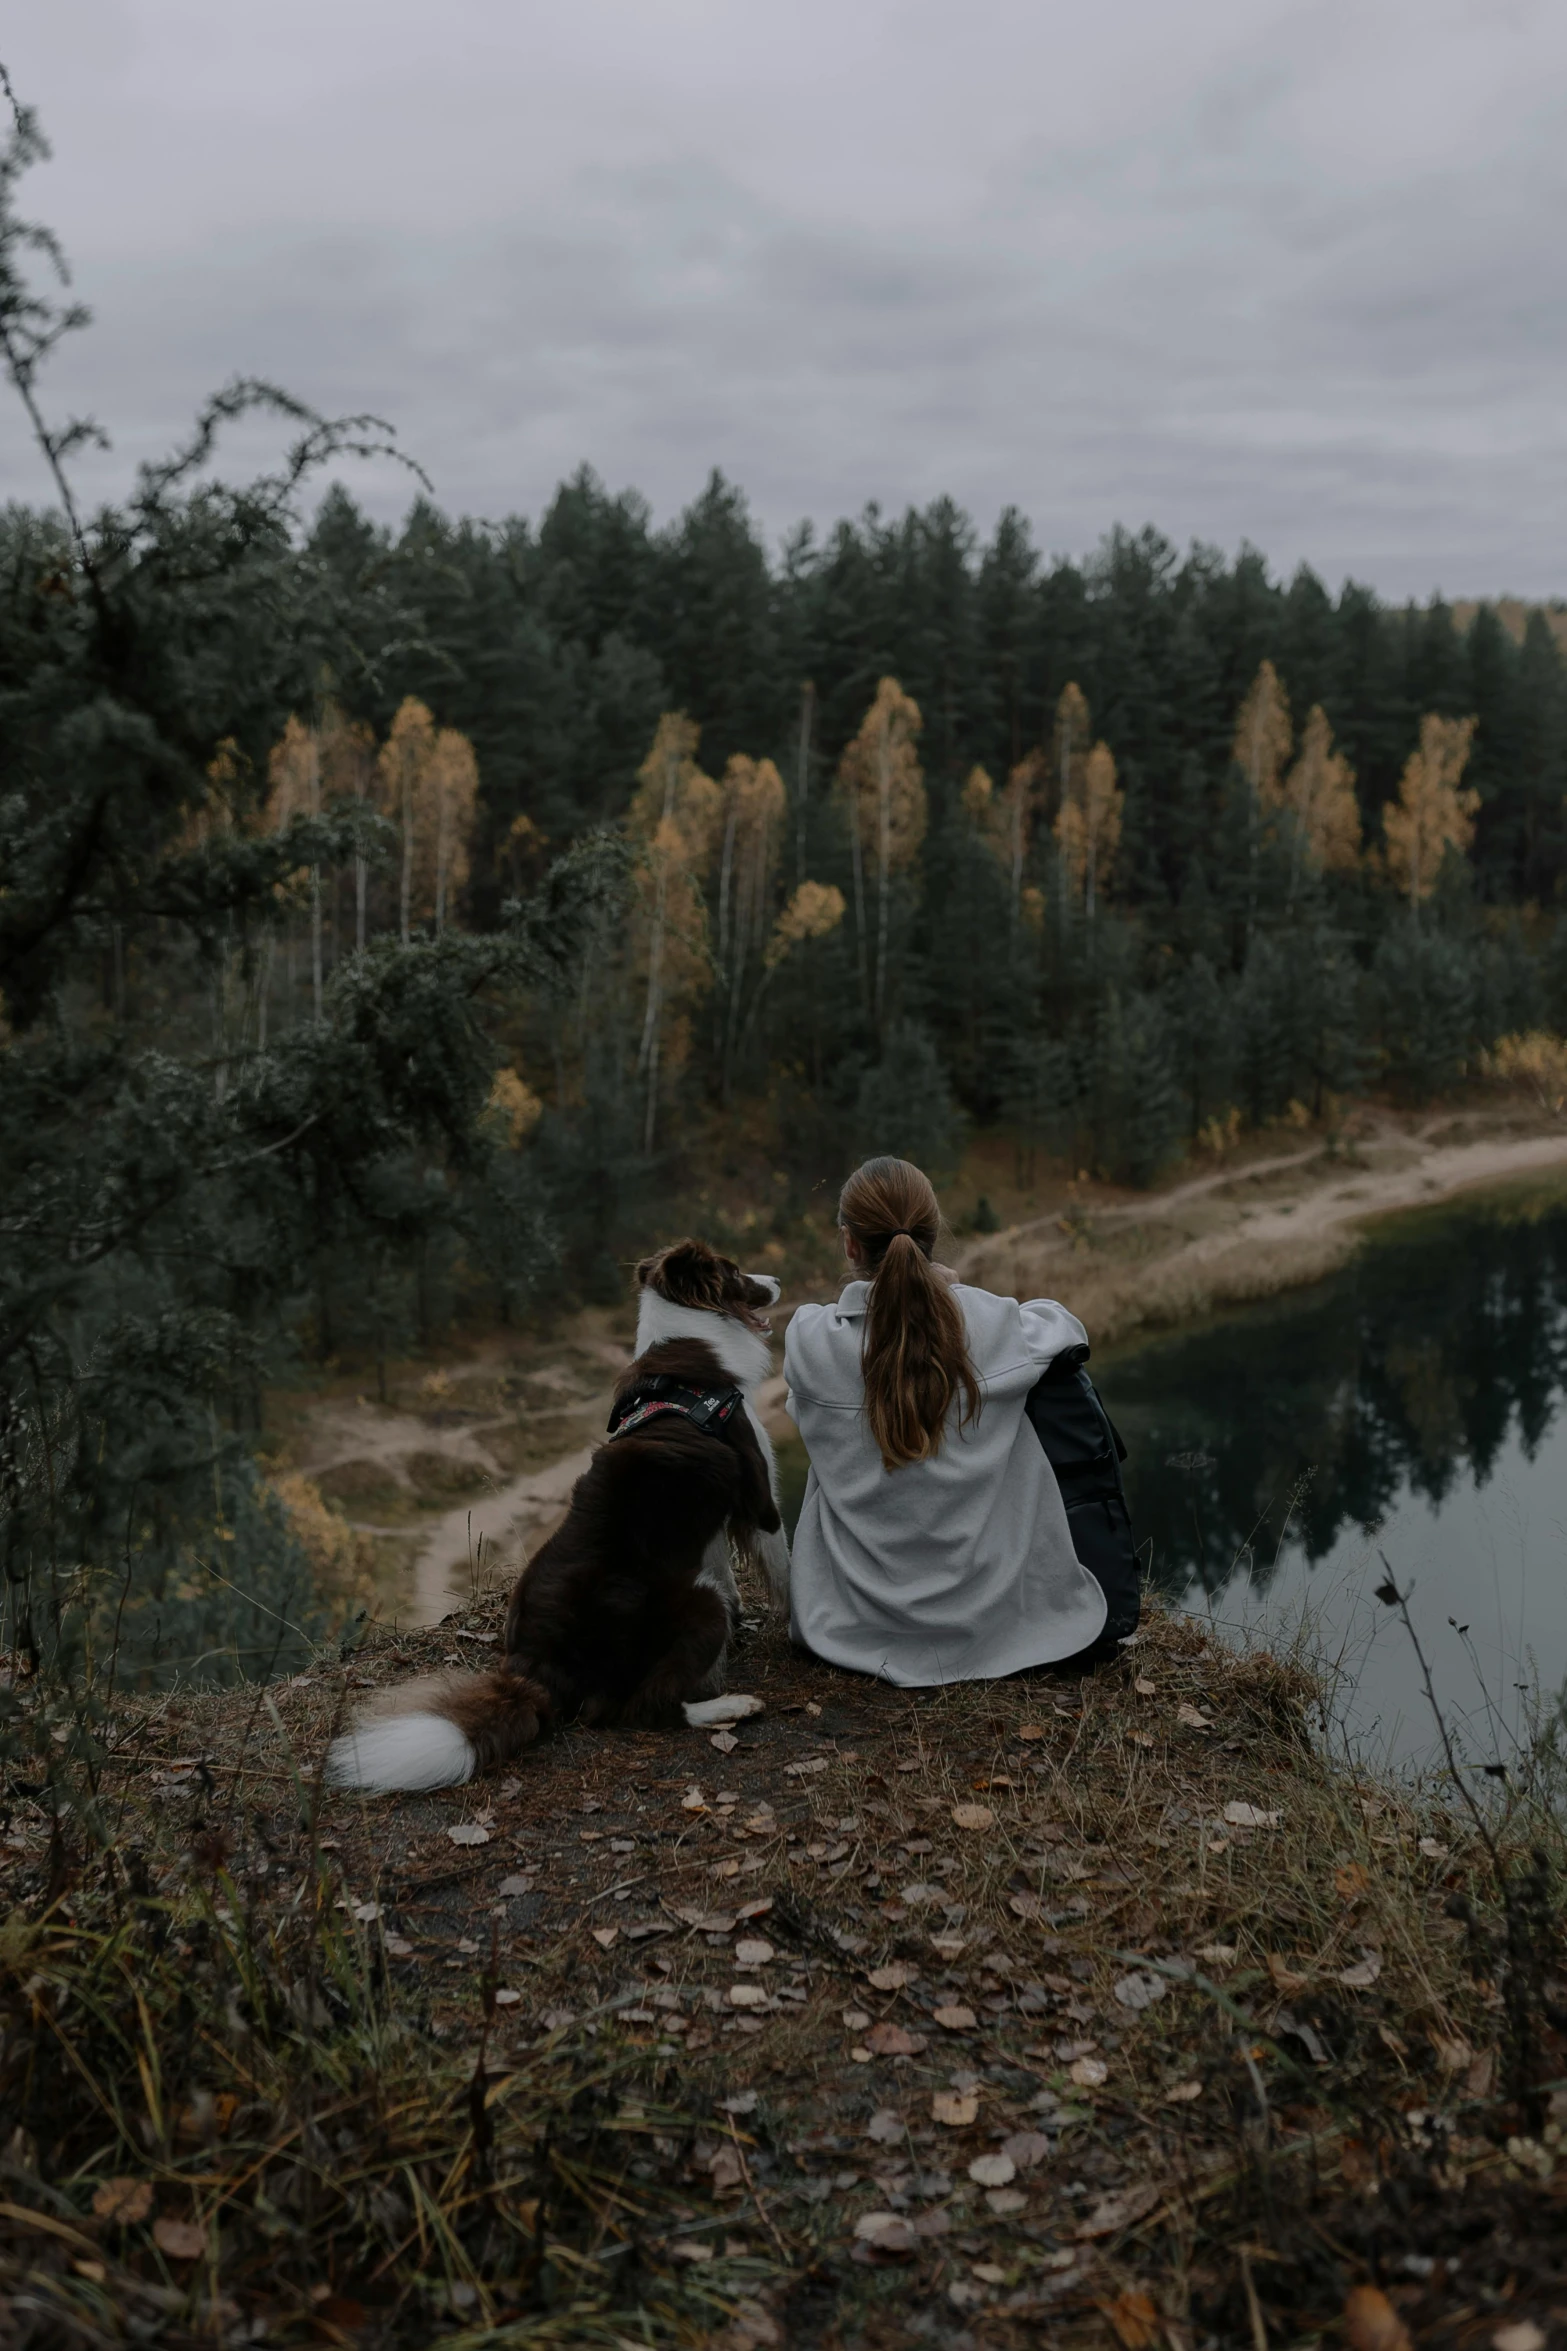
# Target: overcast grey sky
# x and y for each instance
(1284, 270)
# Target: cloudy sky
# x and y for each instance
(1280, 270)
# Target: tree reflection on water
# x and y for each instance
(1298, 1420)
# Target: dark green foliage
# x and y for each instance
(179, 1201)
(905, 1108)
(1423, 989)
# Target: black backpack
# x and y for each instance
(1084, 1448)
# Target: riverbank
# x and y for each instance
(1108, 2012)
(1257, 1225)
(466, 1465)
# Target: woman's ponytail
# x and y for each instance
(915, 1358)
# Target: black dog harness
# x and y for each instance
(704, 1408)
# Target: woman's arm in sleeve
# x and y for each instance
(1048, 1329)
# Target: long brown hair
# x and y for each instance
(915, 1357)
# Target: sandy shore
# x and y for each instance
(1248, 1230)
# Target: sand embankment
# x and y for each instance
(1247, 1231)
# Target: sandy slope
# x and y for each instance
(1246, 1232)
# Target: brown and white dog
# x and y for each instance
(627, 1613)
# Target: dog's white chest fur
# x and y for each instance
(748, 1359)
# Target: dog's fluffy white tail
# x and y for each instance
(410, 1751)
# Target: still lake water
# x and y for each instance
(1411, 1406)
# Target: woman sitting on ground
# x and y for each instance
(933, 1543)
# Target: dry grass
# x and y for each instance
(373, 2144)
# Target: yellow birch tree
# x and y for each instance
(1004, 820)
(881, 779)
(1319, 793)
(453, 786)
(1088, 826)
(1069, 744)
(348, 773)
(1431, 815)
(403, 770)
(752, 812)
(673, 817)
(1263, 734)
(294, 789)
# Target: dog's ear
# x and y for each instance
(756, 1505)
(687, 1273)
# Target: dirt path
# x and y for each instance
(1246, 1231)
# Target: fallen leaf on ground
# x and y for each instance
(1030, 1730)
(706, 1922)
(893, 1977)
(747, 1996)
(860, 2055)
(949, 1946)
(693, 1801)
(556, 2020)
(800, 1771)
(399, 1946)
(742, 2102)
(1090, 2073)
(921, 1894)
(504, 1999)
(724, 1869)
(1218, 1954)
(1182, 2093)
(1140, 1991)
(1452, 2055)
(750, 2329)
(973, 1816)
(757, 1909)
(1351, 1881)
(516, 1885)
(1193, 1718)
(1432, 1850)
(724, 1741)
(1134, 2321)
(690, 2249)
(365, 1912)
(1003, 2202)
(885, 2127)
(751, 1951)
(468, 1832)
(1026, 2148)
(955, 2020)
(956, 2108)
(1118, 2211)
(856, 2019)
(181, 2240)
(887, 2232)
(1287, 1978)
(1392, 2040)
(890, 2040)
(1522, 2335)
(1481, 2077)
(1363, 1974)
(1145, 1688)
(125, 2202)
(1372, 2324)
(992, 2171)
(1251, 1816)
